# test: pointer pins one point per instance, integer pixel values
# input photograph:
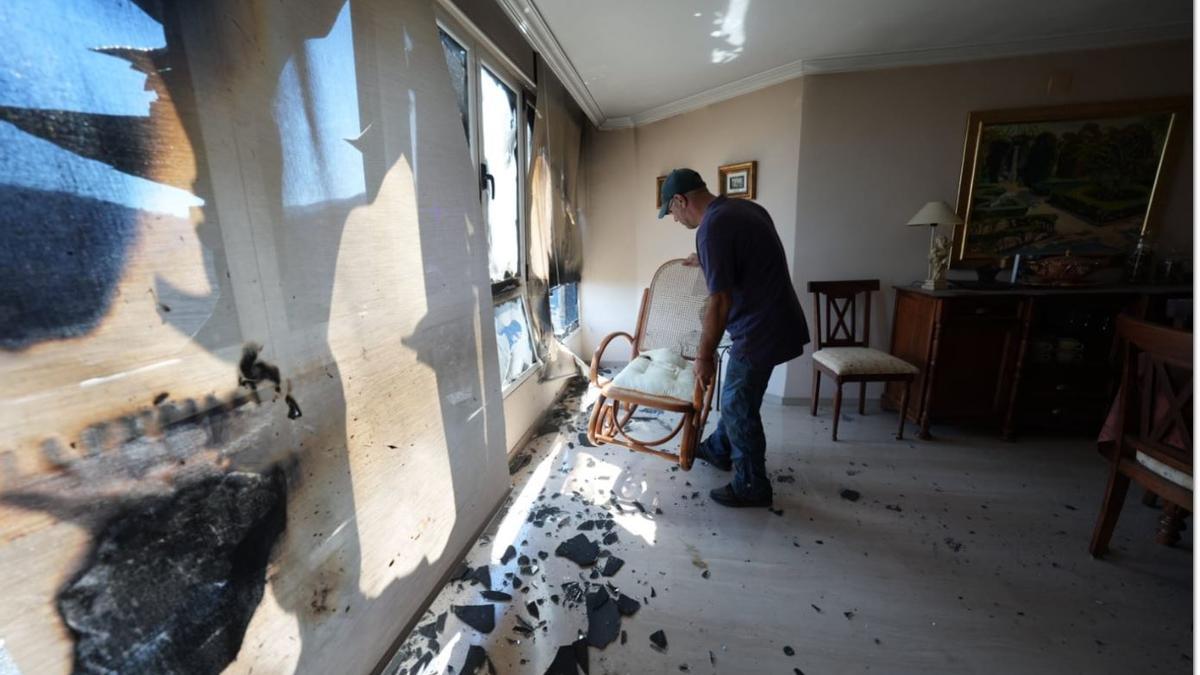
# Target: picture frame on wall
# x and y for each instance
(739, 181)
(1085, 179)
(658, 183)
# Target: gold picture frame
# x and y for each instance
(658, 183)
(1085, 178)
(739, 181)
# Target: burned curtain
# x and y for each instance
(553, 194)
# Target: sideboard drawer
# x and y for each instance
(984, 308)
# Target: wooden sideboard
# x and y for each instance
(1019, 358)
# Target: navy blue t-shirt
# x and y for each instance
(740, 252)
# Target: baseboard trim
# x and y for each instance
(806, 400)
(537, 423)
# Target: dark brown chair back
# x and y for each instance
(1155, 414)
(839, 327)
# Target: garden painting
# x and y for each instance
(1049, 187)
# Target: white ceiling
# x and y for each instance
(640, 60)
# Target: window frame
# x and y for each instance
(483, 53)
(507, 286)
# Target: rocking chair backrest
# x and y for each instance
(672, 313)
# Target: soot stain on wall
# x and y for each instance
(172, 581)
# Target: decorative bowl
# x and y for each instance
(1063, 269)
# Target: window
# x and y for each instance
(456, 61)
(564, 308)
(494, 106)
(498, 114)
(513, 341)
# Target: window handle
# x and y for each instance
(486, 180)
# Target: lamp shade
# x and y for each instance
(935, 213)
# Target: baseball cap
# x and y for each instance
(678, 182)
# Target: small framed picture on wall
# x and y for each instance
(739, 180)
(658, 183)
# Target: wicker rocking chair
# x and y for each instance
(660, 375)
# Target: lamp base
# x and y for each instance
(934, 285)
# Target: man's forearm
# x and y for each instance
(715, 317)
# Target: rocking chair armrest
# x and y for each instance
(594, 374)
(702, 400)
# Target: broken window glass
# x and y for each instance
(514, 342)
(498, 112)
(564, 308)
(456, 61)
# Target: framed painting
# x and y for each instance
(738, 180)
(658, 183)
(1085, 179)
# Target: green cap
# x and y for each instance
(678, 182)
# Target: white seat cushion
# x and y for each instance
(1169, 472)
(862, 361)
(659, 372)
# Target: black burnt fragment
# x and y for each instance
(570, 660)
(252, 371)
(579, 549)
(627, 606)
(612, 565)
(476, 659)
(480, 617)
(604, 620)
(172, 581)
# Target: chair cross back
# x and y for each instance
(843, 354)
(839, 328)
(1153, 427)
(1156, 405)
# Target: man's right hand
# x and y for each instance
(692, 260)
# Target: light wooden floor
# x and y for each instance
(964, 554)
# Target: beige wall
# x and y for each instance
(844, 160)
(877, 145)
(624, 242)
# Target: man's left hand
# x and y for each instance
(705, 368)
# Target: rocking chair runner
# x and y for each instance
(660, 375)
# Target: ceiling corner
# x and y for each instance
(525, 15)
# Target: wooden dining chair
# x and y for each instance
(664, 345)
(843, 354)
(1153, 425)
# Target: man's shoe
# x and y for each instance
(726, 497)
(702, 453)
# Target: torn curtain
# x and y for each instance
(554, 193)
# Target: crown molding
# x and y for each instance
(1057, 43)
(723, 92)
(526, 17)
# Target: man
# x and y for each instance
(751, 296)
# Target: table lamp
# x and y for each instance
(932, 215)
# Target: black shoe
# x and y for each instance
(722, 464)
(726, 497)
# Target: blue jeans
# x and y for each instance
(739, 435)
